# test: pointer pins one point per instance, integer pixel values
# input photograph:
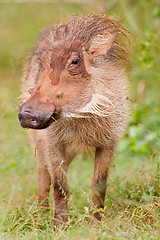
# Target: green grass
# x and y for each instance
(133, 194)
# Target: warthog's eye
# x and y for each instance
(75, 62)
(75, 67)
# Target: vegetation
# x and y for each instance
(133, 195)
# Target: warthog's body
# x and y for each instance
(75, 91)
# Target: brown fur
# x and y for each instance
(91, 99)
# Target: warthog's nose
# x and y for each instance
(29, 119)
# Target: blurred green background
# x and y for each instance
(136, 172)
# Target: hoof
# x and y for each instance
(96, 216)
(60, 222)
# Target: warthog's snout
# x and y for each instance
(29, 119)
(36, 119)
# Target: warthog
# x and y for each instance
(75, 96)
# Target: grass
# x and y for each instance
(133, 195)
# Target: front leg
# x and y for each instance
(61, 159)
(44, 183)
(44, 178)
(60, 195)
(103, 159)
(54, 159)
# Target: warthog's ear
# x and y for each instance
(102, 43)
(61, 31)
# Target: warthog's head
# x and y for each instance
(62, 68)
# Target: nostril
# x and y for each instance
(28, 111)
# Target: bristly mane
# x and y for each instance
(84, 29)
